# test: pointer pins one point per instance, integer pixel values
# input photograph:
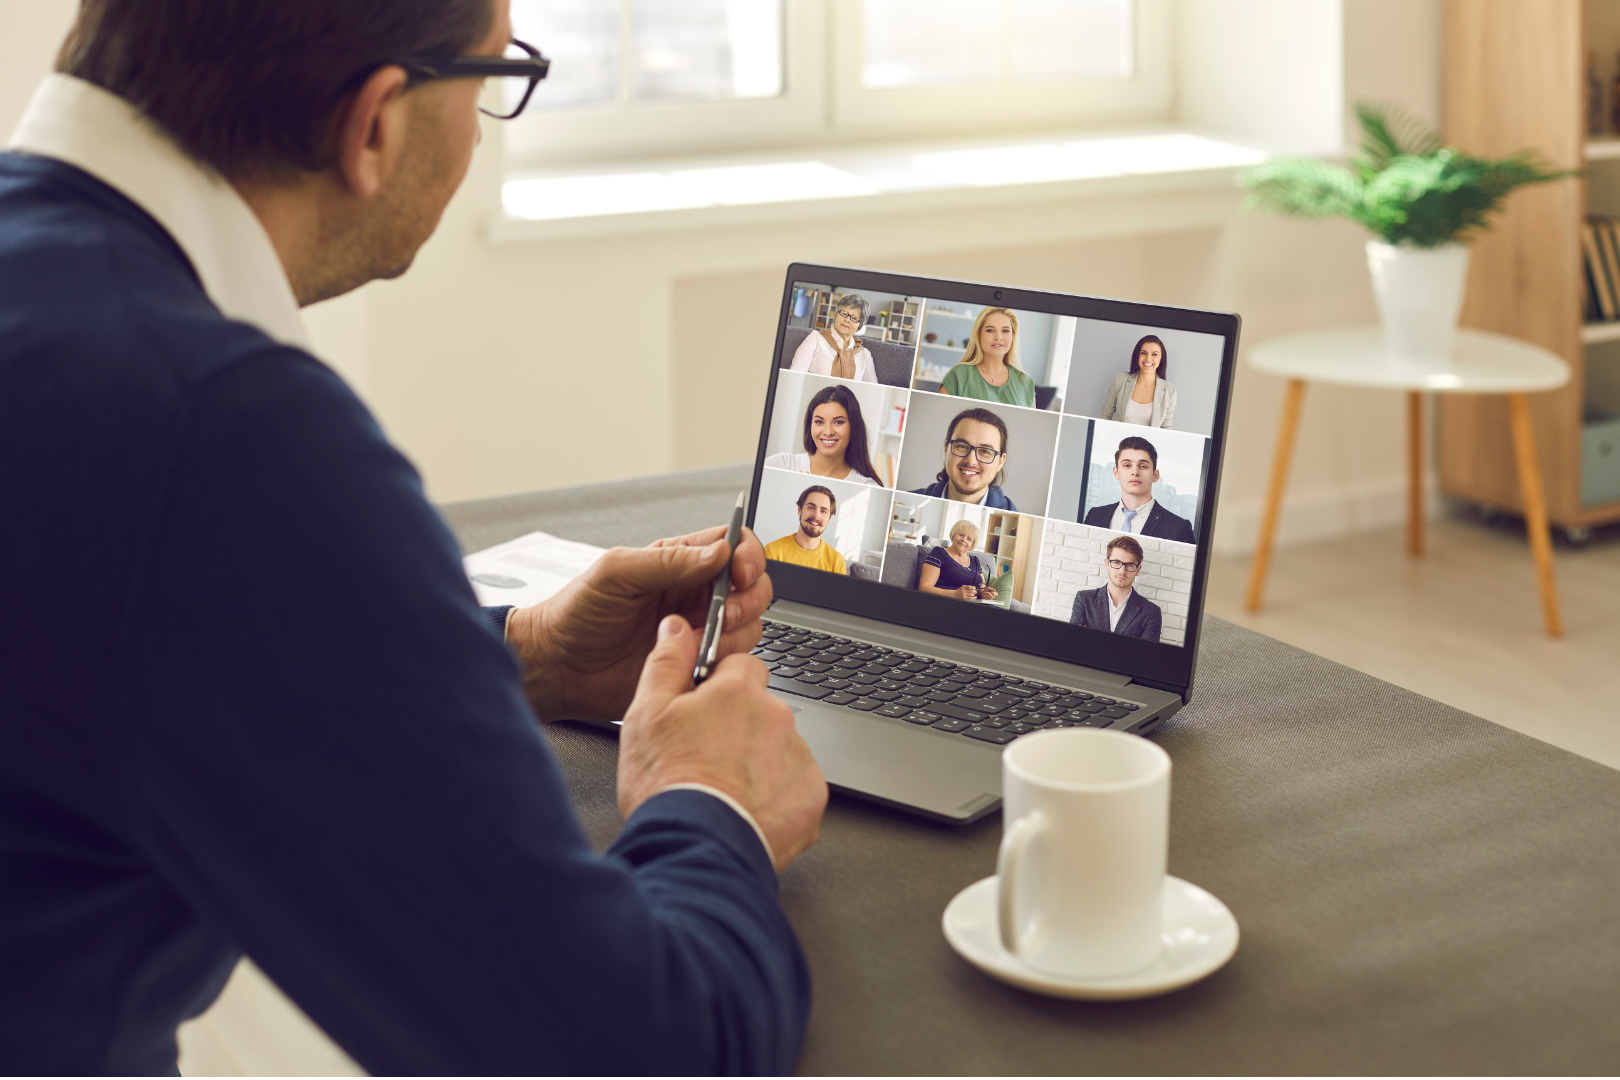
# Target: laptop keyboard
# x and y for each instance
(950, 697)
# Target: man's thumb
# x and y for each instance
(668, 670)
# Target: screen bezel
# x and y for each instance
(1166, 667)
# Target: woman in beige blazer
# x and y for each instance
(1142, 395)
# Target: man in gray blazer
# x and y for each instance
(1117, 607)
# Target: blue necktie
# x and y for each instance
(1129, 514)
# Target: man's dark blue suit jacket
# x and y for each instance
(249, 703)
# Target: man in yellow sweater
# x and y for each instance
(816, 508)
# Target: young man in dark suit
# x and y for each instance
(1136, 468)
(1117, 606)
(263, 713)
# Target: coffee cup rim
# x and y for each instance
(1161, 763)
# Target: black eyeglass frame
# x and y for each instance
(974, 449)
(426, 68)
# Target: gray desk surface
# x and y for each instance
(1419, 890)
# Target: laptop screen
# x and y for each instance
(1012, 455)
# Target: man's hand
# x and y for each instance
(582, 650)
(729, 733)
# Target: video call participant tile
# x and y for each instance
(993, 354)
(966, 451)
(854, 334)
(1143, 482)
(1138, 586)
(828, 427)
(1109, 359)
(831, 525)
(960, 551)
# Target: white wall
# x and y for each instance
(515, 367)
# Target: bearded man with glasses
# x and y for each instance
(1117, 607)
(251, 704)
(975, 456)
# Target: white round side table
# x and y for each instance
(1481, 363)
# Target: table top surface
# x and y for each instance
(1418, 890)
(1482, 363)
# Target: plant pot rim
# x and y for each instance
(1408, 246)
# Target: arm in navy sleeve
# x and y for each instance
(329, 755)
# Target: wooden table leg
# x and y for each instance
(1535, 510)
(1414, 473)
(1280, 460)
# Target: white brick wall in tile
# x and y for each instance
(1072, 560)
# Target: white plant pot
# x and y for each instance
(1420, 294)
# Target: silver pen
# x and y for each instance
(709, 653)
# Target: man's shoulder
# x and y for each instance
(1100, 515)
(1138, 599)
(1169, 519)
(781, 548)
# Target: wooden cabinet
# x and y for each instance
(1515, 77)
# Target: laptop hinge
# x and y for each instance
(946, 648)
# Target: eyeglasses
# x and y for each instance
(985, 454)
(421, 69)
(1128, 567)
(850, 315)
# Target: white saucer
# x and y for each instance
(1200, 935)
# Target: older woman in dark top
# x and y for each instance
(951, 571)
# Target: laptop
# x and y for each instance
(987, 512)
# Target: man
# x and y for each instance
(805, 546)
(975, 455)
(1117, 607)
(254, 707)
(1136, 468)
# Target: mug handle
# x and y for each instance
(1009, 866)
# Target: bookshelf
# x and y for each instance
(1514, 78)
(1003, 541)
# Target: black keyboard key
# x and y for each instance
(805, 652)
(1018, 691)
(922, 680)
(1015, 714)
(816, 665)
(894, 710)
(1018, 729)
(921, 716)
(837, 684)
(1070, 701)
(811, 677)
(1046, 697)
(994, 722)
(770, 656)
(972, 716)
(787, 671)
(914, 665)
(838, 697)
(1105, 700)
(951, 725)
(1052, 710)
(1081, 694)
(914, 701)
(864, 678)
(1114, 714)
(1127, 706)
(794, 686)
(890, 684)
(1011, 679)
(988, 705)
(974, 692)
(865, 655)
(989, 684)
(866, 704)
(795, 639)
(842, 649)
(940, 695)
(883, 695)
(990, 735)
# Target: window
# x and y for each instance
(643, 76)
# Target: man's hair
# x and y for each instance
(832, 500)
(1136, 442)
(1129, 545)
(983, 416)
(250, 86)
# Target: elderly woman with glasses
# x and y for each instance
(835, 350)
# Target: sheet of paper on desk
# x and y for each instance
(527, 570)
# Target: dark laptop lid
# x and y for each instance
(1084, 537)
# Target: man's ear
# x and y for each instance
(369, 132)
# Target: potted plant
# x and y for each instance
(1422, 200)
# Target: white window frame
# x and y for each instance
(824, 103)
(963, 110)
(542, 137)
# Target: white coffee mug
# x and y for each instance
(1083, 853)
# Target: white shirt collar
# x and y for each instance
(83, 125)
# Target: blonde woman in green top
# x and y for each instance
(988, 370)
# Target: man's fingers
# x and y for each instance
(656, 569)
(748, 561)
(668, 670)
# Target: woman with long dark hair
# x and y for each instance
(834, 440)
(1143, 395)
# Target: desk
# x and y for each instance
(1419, 890)
(1480, 363)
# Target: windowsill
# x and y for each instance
(670, 195)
